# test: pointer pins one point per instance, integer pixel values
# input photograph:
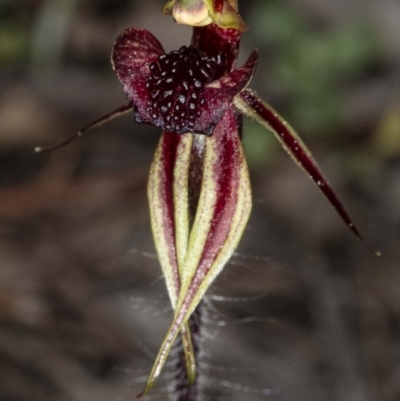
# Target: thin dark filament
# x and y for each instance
(98, 123)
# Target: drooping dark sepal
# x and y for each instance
(253, 106)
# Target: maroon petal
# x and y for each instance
(219, 94)
(251, 105)
(133, 51)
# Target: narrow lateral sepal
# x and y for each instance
(222, 214)
(168, 199)
(253, 106)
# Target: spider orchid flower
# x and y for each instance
(199, 189)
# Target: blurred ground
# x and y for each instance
(302, 313)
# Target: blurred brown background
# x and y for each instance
(302, 313)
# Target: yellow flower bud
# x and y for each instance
(223, 13)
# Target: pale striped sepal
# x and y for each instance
(222, 213)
